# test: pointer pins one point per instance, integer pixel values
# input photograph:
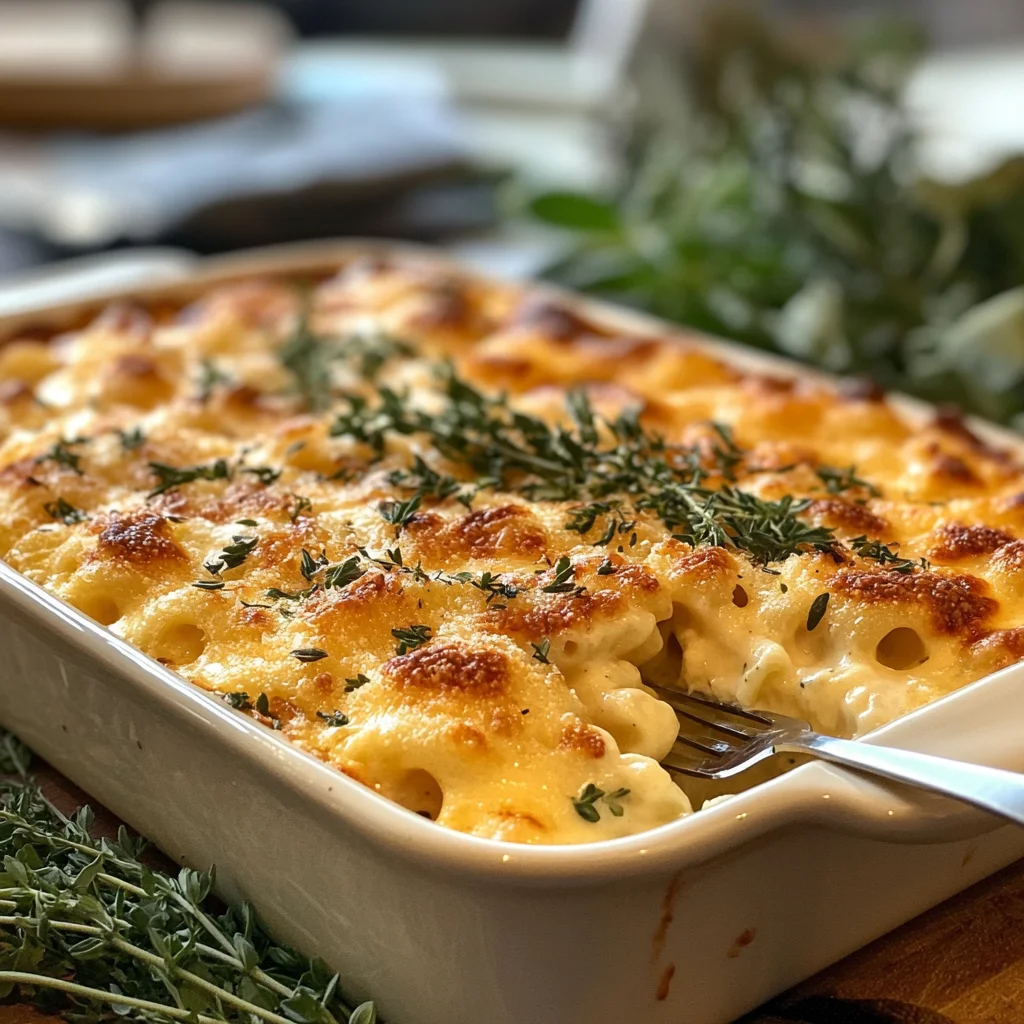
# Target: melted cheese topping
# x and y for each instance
(490, 710)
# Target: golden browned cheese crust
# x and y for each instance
(206, 482)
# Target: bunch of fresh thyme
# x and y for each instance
(89, 931)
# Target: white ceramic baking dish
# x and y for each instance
(692, 923)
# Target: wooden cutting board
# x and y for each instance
(961, 963)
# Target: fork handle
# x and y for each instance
(991, 789)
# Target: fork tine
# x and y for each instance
(728, 730)
(670, 695)
(702, 747)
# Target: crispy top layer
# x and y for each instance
(438, 531)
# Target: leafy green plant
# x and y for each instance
(786, 207)
(90, 931)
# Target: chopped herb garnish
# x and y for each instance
(837, 481)
(399, 513)
(265, 474)
(309, 654)
(252, 604)
(65, 512)
(209, 584)
(334, 720)
(232, 556)
(606, 568)
(817, 611)
(354, 684)
(410, 638)
(308, 356)
(62, 454)
(338, 576)
(586, 803)
(886, 554)
(310, 566)
(541, 651)
(369, 352)
(240, 700)
(612, 800)
(563, 583)
(246, 522)
(210, 376)
(300, 506)
(174, 476)
(491, 584)
(288, 595)
(523, 453)
(131, 439)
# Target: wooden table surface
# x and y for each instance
(961, 963)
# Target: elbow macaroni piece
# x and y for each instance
(160, 471)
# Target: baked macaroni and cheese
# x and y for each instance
(442, 532)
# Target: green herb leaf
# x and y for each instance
(171, 477)
(131, 439)
(210, 377)
(232, 556)
(585, 803)
(309, 654)
(301, 506)
(410, 638)
(837, 481)
(541, 651)
(62, 454)
(338, 576)
(334, 720)
(565, 571)
(265, 474)
(64, 512)
(817, 611)
(308, 357)
(573, 210)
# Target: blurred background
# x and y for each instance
(839, 180)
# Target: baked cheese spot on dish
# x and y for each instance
(441, 533)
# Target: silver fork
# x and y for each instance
(732, 739)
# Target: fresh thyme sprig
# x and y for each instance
(586, 807)
(65, 512)
(266, 475)
(61, 453)
(565, 573)
(131, 439)
(837, 481)
(632, 469)
(211, 376)
(887, 555)
(89, 931)
(334, 720)
(232, 556)
(369, 352)
(308, 358)
(410, 638)
(171, 477)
